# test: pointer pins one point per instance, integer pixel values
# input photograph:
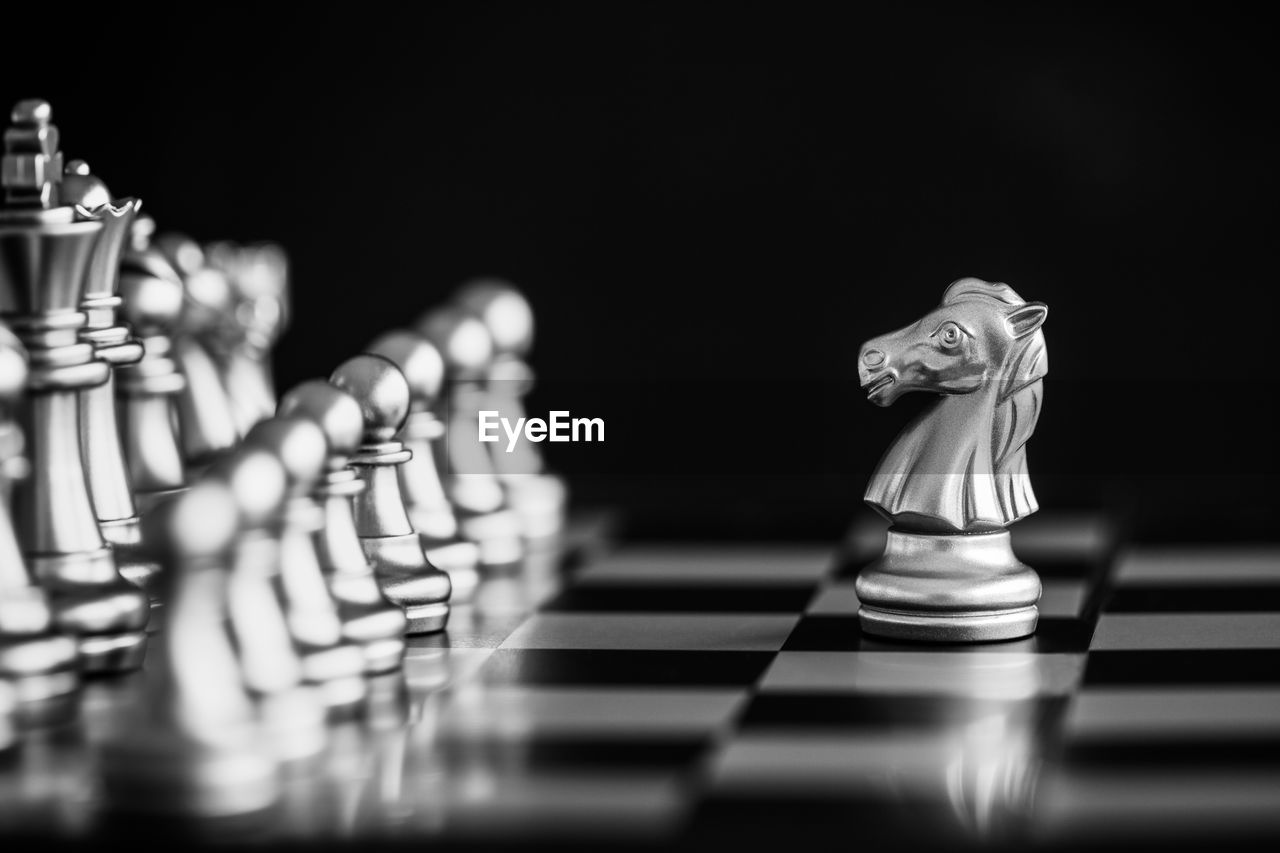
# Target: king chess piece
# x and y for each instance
(956, 477)
(46, 248)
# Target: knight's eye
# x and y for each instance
(949, 334)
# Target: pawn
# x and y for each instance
(292, 712)
(470, 480)
(368, 617)
(424, 497)
(328, 660)
(39, 663)
(536, 495)
(386, 534)
(200, 752)
(152, 294)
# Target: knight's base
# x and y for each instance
(932, 628)
(962, 588)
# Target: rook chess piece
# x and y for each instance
(956, 477)
(470, 480)
(537, 496)
(368, 617)
(200, 752)
(386, 534)
(424, 497)
(45, 251)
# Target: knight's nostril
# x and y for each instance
(873, 358)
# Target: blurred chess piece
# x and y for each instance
(109, 485)
(259, 313)
(206, 417)
(293, 713)
(198, 751)
(536, 495)
(464, 463)
(329, 661)
(368, 617)
(46, 248)
(424, 496)
(38, 662)
(386, 533)
(956, 477)
(153, 297)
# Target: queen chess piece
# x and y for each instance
(46, 248)
(390, 543)
(368, 617)
(956, 477)
(536, 495)
(424, 495)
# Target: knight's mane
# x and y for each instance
(1018, 403)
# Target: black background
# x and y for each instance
(711, 207)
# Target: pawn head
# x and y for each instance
(257, 480)
(200, 522)
(152, 302)
(462, 339)
(418, 360)
(298, 442)
(380, 389)
(503, 310)
(336, 413)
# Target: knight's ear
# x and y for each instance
(1025, 319)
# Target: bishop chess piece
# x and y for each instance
(390, 543)
(424, 496)
(198, 752)
(471, 482)
(109, 485)
(537, 496)
(956, 477)
(38, 661)
(152, 294)
(45, 252)
(368, 617)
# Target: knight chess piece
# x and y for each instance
(152, 294)
(537, 496)
(470, 480)
(956, 477)
(109, 485)
(38, 661)
(329, 661)
(390, 543)
(45, 251)
(368, 617)
(424, 496)
(259, 279)
(201, 753)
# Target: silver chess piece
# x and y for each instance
(537, 496)
(152, 294)
(956, 477)
(368, 617)
(198, 752)
(206, 416)
(424, 496)
(45, 252)
(109, 485)
(38, 661)
(292, 712)
(259, 313)
(470, 480)
(329, 661)
(386, 533)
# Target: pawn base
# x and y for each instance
(108, 653)
(959, 588)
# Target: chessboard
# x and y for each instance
(679, 694)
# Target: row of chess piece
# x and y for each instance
(276, 552)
